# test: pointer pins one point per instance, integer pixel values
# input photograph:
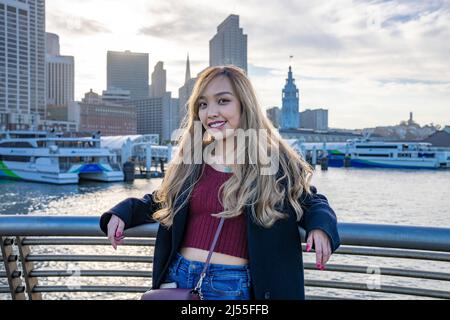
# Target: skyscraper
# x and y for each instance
(156, 115)
(60, 84)
(60, 80)
(229, 45)
(22, 63)
(158, 87)
(129, 71)
(290, 106)
(52, 44)
(316, 119)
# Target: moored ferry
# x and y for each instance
(414, 155)
(54, 158)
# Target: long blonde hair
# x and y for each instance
(247, 186)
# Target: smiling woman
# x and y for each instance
(245, 217)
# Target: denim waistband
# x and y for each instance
(182, 261)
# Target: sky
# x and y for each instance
(368, 62)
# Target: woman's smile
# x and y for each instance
(217, 125)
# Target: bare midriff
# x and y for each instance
(201, 255)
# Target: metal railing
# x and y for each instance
(24, 269)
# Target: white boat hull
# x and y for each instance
(394, 163)
(9, 172)
(29, 172)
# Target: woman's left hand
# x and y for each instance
(321, 245)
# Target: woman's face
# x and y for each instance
(219, 109)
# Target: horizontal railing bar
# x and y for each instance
(370, 235)
(382, 288)
(72, 226)
(308, 283)
(41, 289)
(19, 289)
(84, 241)
(394, 253)
(380, 252)
(384, 271)
(91, 273)
(309, 266)
(2, 274)
(5, 290)
(81, 258)
(395, 236)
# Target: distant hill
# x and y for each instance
(405, 130)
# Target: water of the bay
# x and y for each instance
(401, 197)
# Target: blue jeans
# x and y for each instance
(222, 282)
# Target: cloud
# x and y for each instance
(181, 21)
(413, 81)
(259, 71)
(348, 54)
(75, 25)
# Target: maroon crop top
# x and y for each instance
(201, 226)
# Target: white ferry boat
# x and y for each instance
(415, 155)
(53, 158)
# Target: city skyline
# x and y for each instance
(368, 62)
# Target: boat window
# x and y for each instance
(426, 155)
(404, 155)
(66, 163)
(15, 158)
(375, 147)
(12, 144)
(373, 155)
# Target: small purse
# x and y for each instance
(185, 293)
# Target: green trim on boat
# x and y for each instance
(336, 152)
(7, 172)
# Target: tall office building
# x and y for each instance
(22, 63)
(290, 107)
(229, 45)
(52, 44)
(60, 80)
(128, 71)
(60, 84)
(158, 87)
(155, 115)
(316, 119)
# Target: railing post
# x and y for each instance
(27, 267)
(12, 272)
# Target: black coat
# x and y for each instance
(275, 254)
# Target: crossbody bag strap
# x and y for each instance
(211, 250)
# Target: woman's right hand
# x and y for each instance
(115, 231)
